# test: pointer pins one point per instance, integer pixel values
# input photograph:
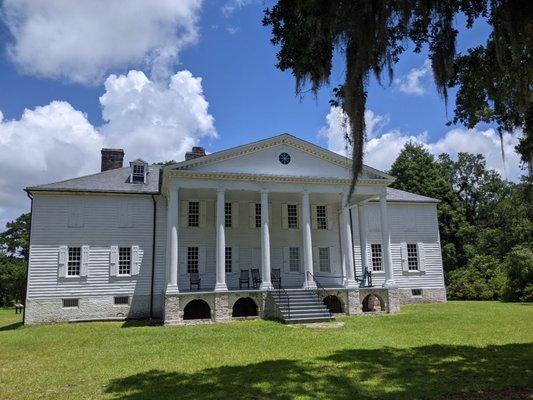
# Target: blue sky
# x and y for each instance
(58, 57)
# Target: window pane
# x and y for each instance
(323, 259)
(292, 216)
(194, 213)
(294, 259)
(124, 260)
(412, 257)
(192, 260)
(229, 259)
(138, 173)
(227, 215)
(321, 217)
(377, 257)
(257, 215)
(74, 261)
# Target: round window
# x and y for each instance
(284, 158)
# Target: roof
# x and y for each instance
(111, 181)
(284, 138)
(400, 195)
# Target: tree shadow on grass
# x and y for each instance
(386, 373)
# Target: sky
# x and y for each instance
(160, 76)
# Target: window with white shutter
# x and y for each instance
(74, 261)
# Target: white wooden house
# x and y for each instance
(172, 242)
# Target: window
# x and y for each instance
(284, 158)
(412, 257)
(121, 300)
(192, 260)
(70, 303)
(323, 259)
(138, 174)
(321, 217)
(258, 215)
(294, 259)
(292, 216)
(227, 215)
(229, 259)
(124, 260)
(416, 292)
(74, 261)
(377, 257)
(194, 213)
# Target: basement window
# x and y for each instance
(70, 303)
(122, 300)
(416, 292)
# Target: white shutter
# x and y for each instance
(135, 260)
(63, 260)
(182, 260)
(403, 252)
(313, 216)
(301, 259)
(299, 215)
(329, 216)
(251, 214)
(84, 260)
(203, 214)
(369, 257)
(184, 213)
(201, 260)
(421, 256)
(113, 261)
(316, 265)
(284, 216)
(235, 259)
(286, 259)
(235, 215)
(333, 259)
(256, 258)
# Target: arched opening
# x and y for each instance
(333, 304)
(373, 303)
(244, 307)
(197, 309)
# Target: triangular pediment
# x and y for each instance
(283, 155)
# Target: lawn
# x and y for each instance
(423, 352)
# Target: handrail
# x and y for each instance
(279, 291)
(322, 289)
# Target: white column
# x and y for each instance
(265, 243)
(363, 242)
(172, 241)
(349, 281)
(309, 282)
(385, 237)
(221, 244)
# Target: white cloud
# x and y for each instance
(382, 148)
(232, 30)
(83, 40)
(413, 81)
(57, 142)
(233, 5)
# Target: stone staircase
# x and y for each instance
(304, 306)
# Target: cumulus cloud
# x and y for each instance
(382, 147)
(57, 142)
(413, 82)
(83, 40)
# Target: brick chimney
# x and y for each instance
(112, 159)
(195, 153)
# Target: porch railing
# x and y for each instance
(282, 293)
(320, 290)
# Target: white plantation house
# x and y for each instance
(262, 229)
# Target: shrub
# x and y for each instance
(518, 267)
(481, 279)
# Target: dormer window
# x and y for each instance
(139, 169)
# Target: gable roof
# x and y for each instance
(111, 181)
(283, 138)
(397, 195)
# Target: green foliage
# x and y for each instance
(15, 239)
(12, 280)
(518, 266)
(482, 279)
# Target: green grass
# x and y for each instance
(422, 352)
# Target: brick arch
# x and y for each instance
(370, 303)
(245, 307)
(197, 309)
(334, 303)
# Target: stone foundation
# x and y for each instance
(40, 311)
(428, 296)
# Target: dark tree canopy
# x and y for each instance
(15, 239)
(372, 35)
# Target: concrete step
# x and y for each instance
(307, 320)
(303, 306)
